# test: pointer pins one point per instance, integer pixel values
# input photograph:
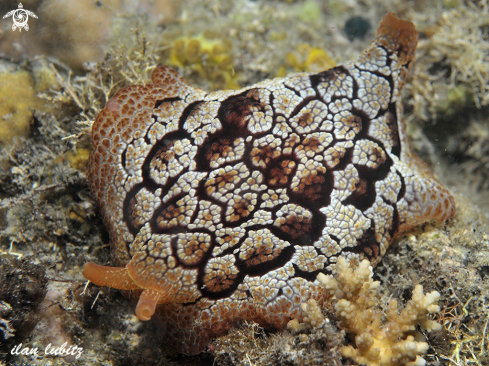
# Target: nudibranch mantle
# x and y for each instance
(225, 206)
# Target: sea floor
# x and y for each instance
(53, 83)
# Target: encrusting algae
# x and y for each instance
(307, 58)
(207, 56)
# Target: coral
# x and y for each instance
(17, 102)
(378, 343)
(312, 317)
(454, 260)
(21, 98)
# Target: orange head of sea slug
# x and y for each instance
(225, 206)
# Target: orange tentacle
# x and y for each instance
(116, 277)
(147, 304)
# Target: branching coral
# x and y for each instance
(378, 343)
(313, 317)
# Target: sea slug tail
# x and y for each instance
(399, 36)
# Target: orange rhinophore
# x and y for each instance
(225, 206)
(116, 277)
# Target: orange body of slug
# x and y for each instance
(225, 206)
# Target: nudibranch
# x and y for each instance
(225, 206)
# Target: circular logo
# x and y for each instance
(20, 17)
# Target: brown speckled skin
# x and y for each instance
(230, 203)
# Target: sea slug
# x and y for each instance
(225, 206)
